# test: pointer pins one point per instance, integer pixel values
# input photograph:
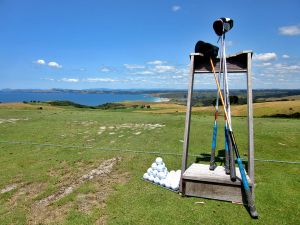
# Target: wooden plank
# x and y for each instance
(235, 63)
(214, 191)
(201, 172)
(229, 55)
(250, 121)
(187, 123)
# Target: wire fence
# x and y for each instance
(161, 153)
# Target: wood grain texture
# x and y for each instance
(201, 182)
(201, 172)
(214, 191)
(250, 121)
(187, 123)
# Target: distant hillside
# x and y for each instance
(238, 97)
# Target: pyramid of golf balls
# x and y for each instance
(158, 173)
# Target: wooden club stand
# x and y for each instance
(197, 180)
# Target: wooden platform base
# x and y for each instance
(199, 181)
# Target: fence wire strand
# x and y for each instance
(128, 150)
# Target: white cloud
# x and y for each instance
(163, 69)
(265, 56)
(50, 79)
(267, 64)
(130, 67)
(285, 56)
(98, 79)
(175, 8)
(40, 62)
(289, 30)
(105, 69)
(264, 64)
(284, 68)
(54, 65)
(281, 69)
(156, 62)
(178, 77)
(145, 72)
(70, 80)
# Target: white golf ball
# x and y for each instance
(163, 182)
(159, 160)
(172, 173)
(154, 166)
(154, 173)
(151, 178)
(161, 175)
(149, 171)
(174, 186)
(168, 176)
(156, 180)
(146, 176)
(168, 184)
(160, 182)
(160, 168)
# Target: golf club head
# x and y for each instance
(222, 25)
(213, 166)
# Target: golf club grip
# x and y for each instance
(227, 170)
(214, 137)
(246, 187)
(233, 143)
(213, 146)
(231, 158)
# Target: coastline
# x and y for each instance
(88, 99)
(162, 100)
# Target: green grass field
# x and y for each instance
(75, 141)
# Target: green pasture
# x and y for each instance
(45, 148)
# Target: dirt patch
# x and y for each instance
(8, 188)
(12, 120)
(25, 193)
(49, 215)
(103, 188)
(85, 123)
(101, 221)
(102, 177)
(133, 128)
(104, 169)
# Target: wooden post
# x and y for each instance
(250, 121)
(187, 123)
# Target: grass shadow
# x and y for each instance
(219, 158)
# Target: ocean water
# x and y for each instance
(84, 99)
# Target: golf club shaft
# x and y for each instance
(249, 198)
(214, 143)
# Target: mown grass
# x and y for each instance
(139, 202)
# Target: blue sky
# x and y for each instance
(83, 44)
